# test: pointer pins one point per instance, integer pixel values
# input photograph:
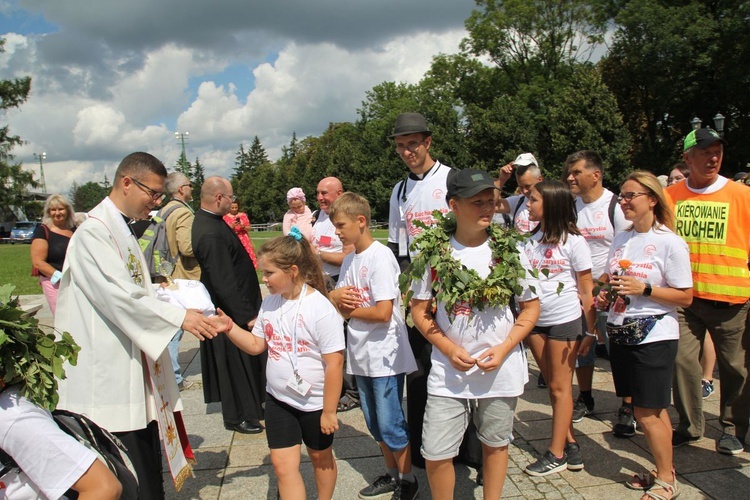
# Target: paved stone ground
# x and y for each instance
(233, 465)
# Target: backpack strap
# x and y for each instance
(612, 206)
(515, 211)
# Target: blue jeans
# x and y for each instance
(174, 350)
(380, 398)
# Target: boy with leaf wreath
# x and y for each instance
(472, 269)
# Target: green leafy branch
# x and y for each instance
(455, 283)
(30, 355)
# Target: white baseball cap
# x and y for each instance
(525, 159)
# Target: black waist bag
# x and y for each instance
(633, 330)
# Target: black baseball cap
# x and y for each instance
(701, 138)
(468, 182)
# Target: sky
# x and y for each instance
(110, 78)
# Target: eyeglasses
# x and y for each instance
(412, 148)
(186, 185)
(629, 196)
(154, 194)
(231, 197)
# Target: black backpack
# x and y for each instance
(108, 447)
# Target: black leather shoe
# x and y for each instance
(246, 427)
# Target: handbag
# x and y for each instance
(633, 330)
(34, 270)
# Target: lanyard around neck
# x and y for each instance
(293, 352)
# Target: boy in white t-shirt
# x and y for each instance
(378, 351)
(478, 365)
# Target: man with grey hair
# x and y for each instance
(230, 376)
(178, 216)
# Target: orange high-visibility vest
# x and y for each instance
(716, 227)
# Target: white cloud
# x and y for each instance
(98, 95)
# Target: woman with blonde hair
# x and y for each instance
(49, 245)
(649, 276)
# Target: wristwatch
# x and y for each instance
(647, 291)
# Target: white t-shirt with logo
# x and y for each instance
(521, 220)
(658, 257)
(50, 460)
(562, 261)
(484, 330)
(325, 239)
(595, 226)
(376, 349)
(319, 330)
(416, 201)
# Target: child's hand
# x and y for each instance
(329, 423)
(460, 359)
(221, 321)
(491, 359)
(346, 297)
(586, 344)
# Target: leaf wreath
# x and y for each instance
(455, 283)
(29, 355)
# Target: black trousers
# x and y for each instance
(144, 450)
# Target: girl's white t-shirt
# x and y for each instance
(483, 330)
(658, 257)
(521, 221)
(319, 330)
(376, 349)
(562, 261)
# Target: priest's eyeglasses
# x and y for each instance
(154, 194)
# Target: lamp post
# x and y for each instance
(180, 136)
(696, 123)
(42, 156)
(719, 123)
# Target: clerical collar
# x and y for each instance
(129, 222)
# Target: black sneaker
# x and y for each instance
(548, 464)
(573, 454)
(680, 440)
(625, 426)
(382, 487)
(406, 490)
(540, 382)
(581, 408)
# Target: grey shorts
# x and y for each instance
(446, 420)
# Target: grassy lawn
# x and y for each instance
(15, 262)
(16, 269)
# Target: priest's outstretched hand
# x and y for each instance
(199, 325)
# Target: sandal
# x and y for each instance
(643, 481)
(669, 489)
(346, 403)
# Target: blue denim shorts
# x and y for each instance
(381, 398)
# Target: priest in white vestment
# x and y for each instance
(107, 304)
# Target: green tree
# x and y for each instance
(197, 178)
(183, 165)
(86, 196)
(240, 163)
(14, 180)
(530, 39)
(673, 60)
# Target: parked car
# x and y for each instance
(22, 232)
